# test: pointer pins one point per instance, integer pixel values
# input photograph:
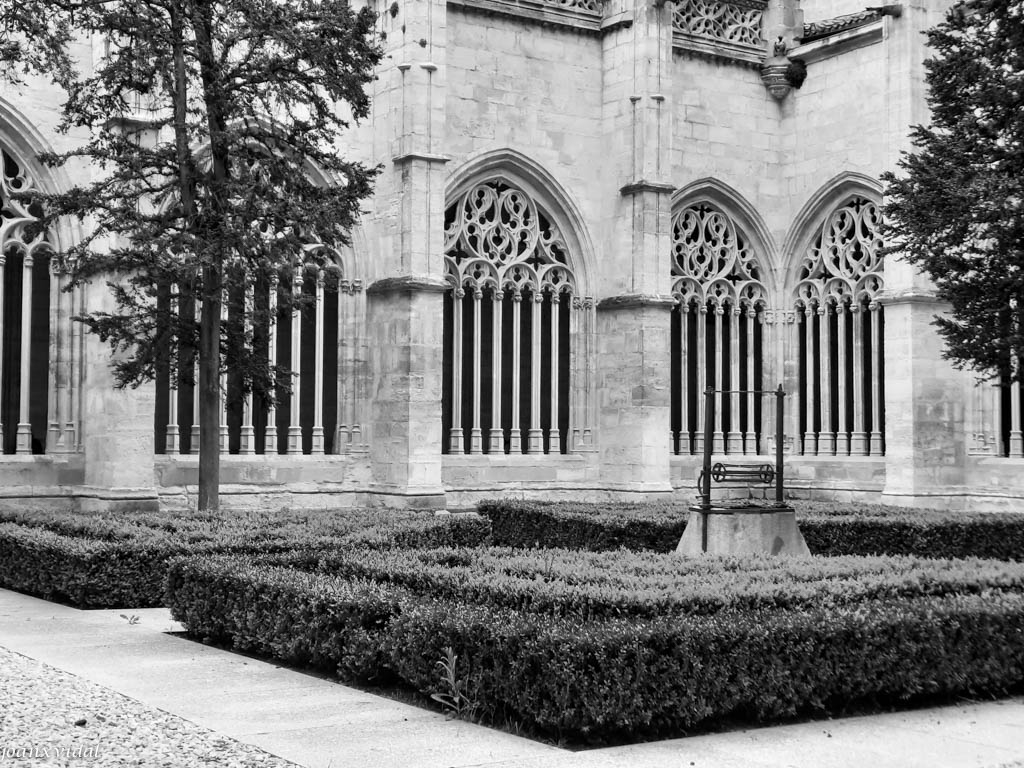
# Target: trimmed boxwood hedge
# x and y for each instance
(593, 527)
(617, 584)
(624, 679)
(595, 679)
(829, 529)
(96, 561)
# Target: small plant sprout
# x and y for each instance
(453, 698)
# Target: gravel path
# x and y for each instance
(50, 717)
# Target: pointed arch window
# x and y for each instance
(840, 333)
(716, 331)
(35, 394)
(508, 314)
(303, 321)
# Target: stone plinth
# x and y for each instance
(743, 531)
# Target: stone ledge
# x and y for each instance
(535, 11)
(909, 296)
(635, 300)
(717, 50)
(840, 43)
(408, 283)
(425, 157)
(641, 186)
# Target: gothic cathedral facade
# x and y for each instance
(589, 212)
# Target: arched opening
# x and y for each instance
(508, 319)
(717, 335)
(25, 293)
(311, 333)
(840, 332)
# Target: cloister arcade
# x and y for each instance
(514, 318)
(585, 215)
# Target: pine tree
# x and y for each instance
(205, 117)
(955, 208)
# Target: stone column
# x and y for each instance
(117, 427)
(633, 317)
(405, 303)
(925, 439)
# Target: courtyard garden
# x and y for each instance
(571, 621)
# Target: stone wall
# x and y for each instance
(606, 128)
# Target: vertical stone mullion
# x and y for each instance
(247, 434)
(24, 434)
(535, 442)
(875, 446)
(843, 436)
(456, 444)
(684, 363)
(224, 437)
(54, 365)
(702, 376)
(718, 442)
(858, 439)
(826, 436)
(750, 431)
(317, 438)
(476, 432)
(270, 441)
(772, 374)
(172, 441)
(72, 428)
(197, 306)
(294, 411)
(995, 406)
(346, 370)
(497, 437)
(356, 398)
(1016, 444)
(734, 439)
(810, 373)
(515, 438)
(64, 343)
(554, 433)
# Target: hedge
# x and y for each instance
(627, 680)
(126, 569)
(252, 527)
(647, 585)
(611, 678)
(593, 527)
(297, 616)
(829, 529)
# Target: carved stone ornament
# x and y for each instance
(774, 71)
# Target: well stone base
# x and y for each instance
(742, 530)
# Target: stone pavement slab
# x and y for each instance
(316, 722)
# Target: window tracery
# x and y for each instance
(737, 22)
(303, 322)
(28, 349)
(716, 330)
(507, 325)
(840, 333)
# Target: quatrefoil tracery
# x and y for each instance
(16, 218)
(845, 264)
(496, 237)
(712, 261)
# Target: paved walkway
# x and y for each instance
(318, 723)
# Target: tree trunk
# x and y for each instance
(207, 388)
(213, 268)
